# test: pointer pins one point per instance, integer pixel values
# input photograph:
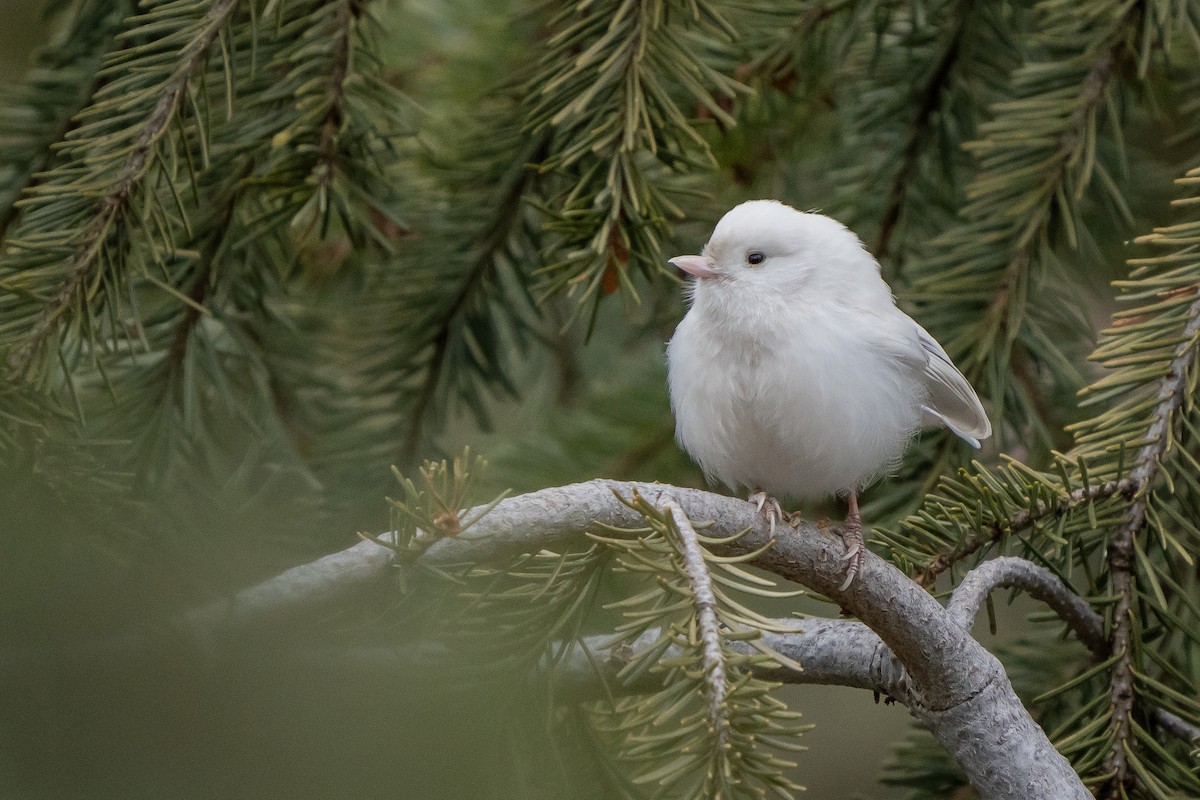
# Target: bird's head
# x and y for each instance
(766, 244)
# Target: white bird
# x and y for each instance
(793, 373)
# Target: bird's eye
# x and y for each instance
(754, 258)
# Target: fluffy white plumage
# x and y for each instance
(798, 375)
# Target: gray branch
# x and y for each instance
(840, 652)
(1035, 581)
(956, 687)
(1179, 728)
(831, 652)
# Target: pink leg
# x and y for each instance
(855, 546)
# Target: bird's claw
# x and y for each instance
(851, 574)
(775, 512)
(855, 551)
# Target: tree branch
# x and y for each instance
(115, 202)
(1039, 583)
(202, 279)
(1024, 236)
(706, 618)
(327, 154)
(1080, 617)
(1179, 728)
(928, 103)
(1023, 520)
(1070, 140)
(61, 65)
(325, 164)
(909, 647)
(958, 688)
(1172, 390)
(832, 652)
(847, 653)
(493, 239)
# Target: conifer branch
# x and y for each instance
(56, 67)
(702, 711)
(546, 518)
(608, 92)
(706, 615)
(485, 257)
(1138, 453)
(1024, 200)
(1070, 140)
(202, 279)
(1172, 392)
(333, 152)
(346, 18)
(1020, 521)
(785, 45)
(112, 207)
(929, 101)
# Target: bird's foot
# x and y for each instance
(774, 511)
(856, 550)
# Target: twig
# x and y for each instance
(1023, 520)
(1179, 728)
(347, 17)
(706, 617)
(202, 280)
(34, 172)
(1090, 97)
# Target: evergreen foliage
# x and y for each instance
(252, 252)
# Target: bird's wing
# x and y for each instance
(952, 402)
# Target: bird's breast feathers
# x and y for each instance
(806, 405)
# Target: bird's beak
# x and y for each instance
(700, 266)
